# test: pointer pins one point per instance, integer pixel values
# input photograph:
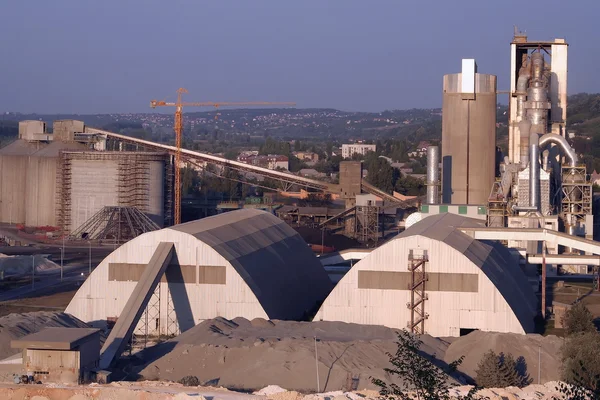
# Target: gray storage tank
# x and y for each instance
(468, 136)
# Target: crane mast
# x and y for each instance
(178, 128)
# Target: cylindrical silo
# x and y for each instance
(468, 138)
(433, 174)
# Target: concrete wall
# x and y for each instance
(28, 130)
(13, 175)
(467, 299)
(61, 366)
(100, 298)
(468, 140)
(156, 192)
(350, 178)
(65, 130)
(94, 184)
(40, 201)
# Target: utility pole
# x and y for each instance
(90, 263)
(317, 365)
(544, 280)
(539, 364)
(32, 271)
(62, 256)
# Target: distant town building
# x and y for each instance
(306, 156)
(272, 161)
(348, 150)
(421, 150)
(311, 173)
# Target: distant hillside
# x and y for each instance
(584, 119)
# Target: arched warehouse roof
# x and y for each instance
(245, 263)
(471, 284)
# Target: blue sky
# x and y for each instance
(78, 56)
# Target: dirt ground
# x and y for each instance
(51, 302)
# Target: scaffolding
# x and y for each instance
(117, 224)
(418, 278)
(367, 224)
(133, 186)
(576, 194)
(168, 190)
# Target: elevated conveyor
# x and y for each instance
(533, 234)
(211, 159)
(135, 306)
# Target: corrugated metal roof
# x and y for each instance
(56, 338)
(272, 258)
(490, 256)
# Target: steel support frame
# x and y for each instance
(576, 195)
(367, 224)
(418, 296)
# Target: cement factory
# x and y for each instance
(467, 260)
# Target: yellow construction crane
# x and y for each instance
(178, 127)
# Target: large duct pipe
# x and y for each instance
(537, 95)
(525, 132)
(433, 174)
(537, 65)
(534, 172)
(522, 82)
(560, 141)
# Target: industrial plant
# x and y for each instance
(467, 258)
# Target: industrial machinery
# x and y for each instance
(542, 184)
(178, 127)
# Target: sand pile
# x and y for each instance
(14, 326)
(474, 345)
(22, 265)
(248, 355)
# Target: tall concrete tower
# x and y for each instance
(468, 136)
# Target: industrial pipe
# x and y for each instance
(534, 172)
(433, 174)
(537, 95)
(522, 82)
(537, 65)
(568, 151)
(525, 132)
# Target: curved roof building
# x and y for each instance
(245, 263)
(470, 284)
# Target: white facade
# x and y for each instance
(99, 298)
(245, 263)
(491, 296)
(348, 150)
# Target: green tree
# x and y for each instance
(501, 370)
(510, 373)
(381, 174)
(329, 149)
(189, 181)
(421, 378)
(410, 186)
(581, 362)
(578, 319)
(488, 370)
